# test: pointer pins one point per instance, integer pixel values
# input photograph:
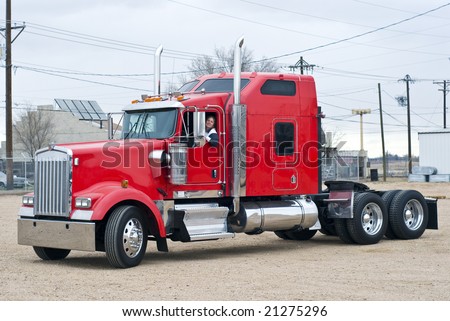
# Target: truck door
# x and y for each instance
(205, 163)
(285, 175)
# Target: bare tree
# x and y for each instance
(34, 130)
(203, 65)
(224, 62)
(333, 137)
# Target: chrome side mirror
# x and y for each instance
(199, 127)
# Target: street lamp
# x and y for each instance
(361, 112)
(362, 155)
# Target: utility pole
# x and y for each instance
(382, 132)
(445, 91)
(362, 155)
(8, 95)
(303, 65)
(408, 79)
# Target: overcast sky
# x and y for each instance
(103, 50)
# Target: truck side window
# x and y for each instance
(284, 138)
(278, 87)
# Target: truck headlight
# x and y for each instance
(28, 200)
(83, 202)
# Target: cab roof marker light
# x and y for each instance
(152, 99)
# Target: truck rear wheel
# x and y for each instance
(408, 214)
(387, 198)
(326, 223)
(298, 235)
(301, 235)
(340, 225)
(370, 219)
(47, 253)
(126, 237)
(282, 235)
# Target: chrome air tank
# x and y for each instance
(254, 217)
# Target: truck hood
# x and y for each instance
(117, 161)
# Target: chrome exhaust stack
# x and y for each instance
(237, 70)
(238, 127)
(157, 72)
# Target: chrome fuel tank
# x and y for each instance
(254, 217)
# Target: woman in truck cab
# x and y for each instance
(211, 135)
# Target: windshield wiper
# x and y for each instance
(132, 129)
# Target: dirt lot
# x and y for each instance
(261, 267)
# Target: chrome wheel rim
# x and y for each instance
(132, 237)
(372, 218)
(413, 214)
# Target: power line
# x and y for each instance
(246, 20)
(91, 40)
(85, 80)
(390, 8)
(332, 20)
(115, 42)
(361, 34)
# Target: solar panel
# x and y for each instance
(82, 109)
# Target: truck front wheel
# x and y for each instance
(47, 253)
(126, 237)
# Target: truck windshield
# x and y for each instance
(157, 124)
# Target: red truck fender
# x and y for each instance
(106, 197)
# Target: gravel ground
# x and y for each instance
(261, 267)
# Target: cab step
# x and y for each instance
(199, 222)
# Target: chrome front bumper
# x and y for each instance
(56, 234)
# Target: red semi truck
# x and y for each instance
(161, 181)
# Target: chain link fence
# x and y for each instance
(349, 168)
(23, 171)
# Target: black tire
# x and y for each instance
(301, 235)
(126, 237)
(387, 198)
(408, 215)
(2, 185)
(326, 223)
(282, 235)
(340, 224)
(370, 219)
(328, 230)
(47, 253)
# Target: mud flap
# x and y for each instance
(432, 213)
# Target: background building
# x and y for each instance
(71, 121)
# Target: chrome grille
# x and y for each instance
(52, 189)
